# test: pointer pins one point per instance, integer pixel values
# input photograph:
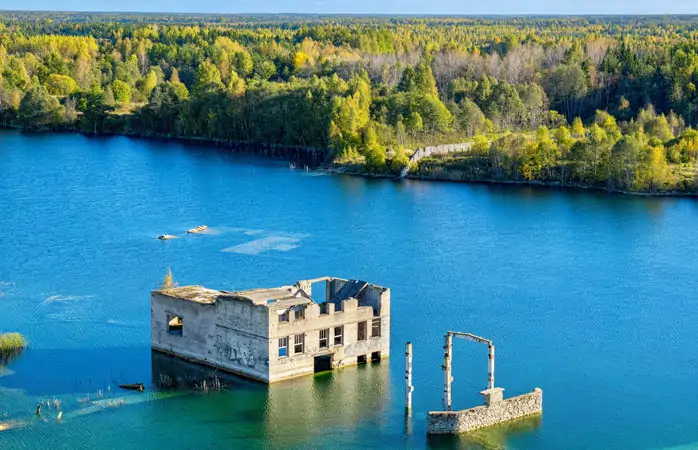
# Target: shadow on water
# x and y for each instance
(301, 156)
(492, 438)
(169, 372)
(517, 195)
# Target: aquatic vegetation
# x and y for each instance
(168, 282)
(11, 346)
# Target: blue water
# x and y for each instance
(589, 296)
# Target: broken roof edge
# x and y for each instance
(287, 295)
(193, 293)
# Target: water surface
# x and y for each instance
(589, 296)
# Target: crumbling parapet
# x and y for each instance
(497, 410)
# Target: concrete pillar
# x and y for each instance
(492, 396)
(490, 367)
(408, 377)
(448, 346)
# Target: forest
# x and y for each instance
(604, 102)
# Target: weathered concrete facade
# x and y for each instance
(274, 334)
(496, 411)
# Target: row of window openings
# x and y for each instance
(299, 339)
(299, 315)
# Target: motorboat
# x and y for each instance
(165, 237)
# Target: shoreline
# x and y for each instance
(521, 183)
(311, 153)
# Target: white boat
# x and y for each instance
(199, 229)
(165, 237)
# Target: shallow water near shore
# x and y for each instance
(586, 295)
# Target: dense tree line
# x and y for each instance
(591, 101)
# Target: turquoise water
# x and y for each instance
(589, 296)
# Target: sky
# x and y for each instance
(510, 7)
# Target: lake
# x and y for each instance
(586, 295)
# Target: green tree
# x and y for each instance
(94, 109)
(236, 85)
(244, 64)
(470, 117)
(61, 85)
(121, 92)
(399, 161)
(414, 123)
(266, 70)
(567, 87)
(148, 83)
(39, 109)
(207, 77)
(578, 128)
(373, 152)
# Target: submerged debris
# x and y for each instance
(214, 385)
(199, 229)
(115, 403)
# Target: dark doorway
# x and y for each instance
(375, 356)
(323, 363)
(361, 359)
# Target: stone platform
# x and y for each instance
(495, 411)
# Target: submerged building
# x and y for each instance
(274, 334)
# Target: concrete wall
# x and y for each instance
(229, 334)
(376, 297)
(456, 422)
(242, 338)
(198, 330)
(295, 365)
(439, 150)
(435, 150)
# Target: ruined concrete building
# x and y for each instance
(276, 333)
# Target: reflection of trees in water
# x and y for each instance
(491, 438)
(300, 410)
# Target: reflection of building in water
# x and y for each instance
(493, 438)
(274, 334)
(297, 413)
(169, 372)
(302, 410)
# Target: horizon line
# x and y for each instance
(345, 14)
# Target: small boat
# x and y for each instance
(133, 387)
(199, 229)
(165, 237)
